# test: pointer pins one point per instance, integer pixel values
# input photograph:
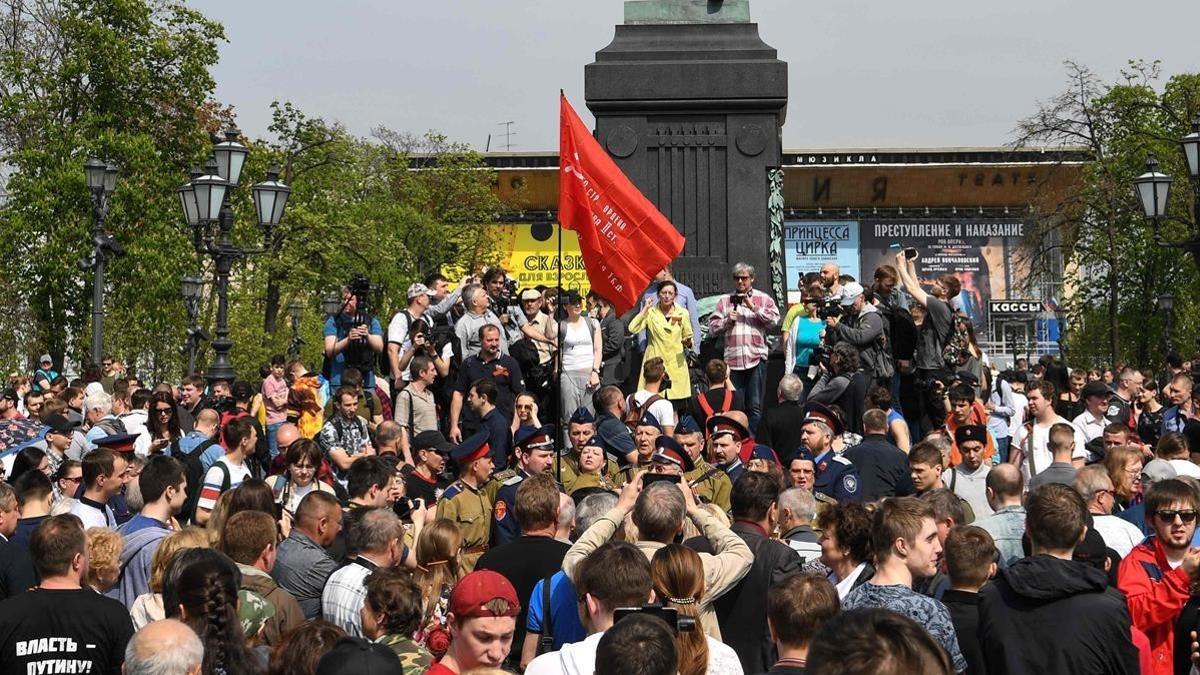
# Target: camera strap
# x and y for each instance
(546, 640)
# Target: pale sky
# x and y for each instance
(861, 74)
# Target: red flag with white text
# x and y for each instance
(624, 239)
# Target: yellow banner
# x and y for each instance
(533, 262)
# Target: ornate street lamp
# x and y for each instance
(102, 183)
(1166, 305)
(294, 310)
(331, 304)
(193, 286)
(207, 212)
(1153, 190)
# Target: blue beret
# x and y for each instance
(649, 420)
(687, 425)
(582, 416)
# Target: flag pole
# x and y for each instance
(558, 417)
(558, 367)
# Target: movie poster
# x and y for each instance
(979, 252)
(808, 244)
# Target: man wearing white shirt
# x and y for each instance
(399, 345)
(1096, 488)
(103, 477)
(1092, 421)
(1034, 438)
(653, 372)
(1175, 450)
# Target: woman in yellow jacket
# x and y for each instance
(668, 335)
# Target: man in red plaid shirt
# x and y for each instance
(743, 317)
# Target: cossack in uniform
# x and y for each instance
(504, 518)
(466, 505)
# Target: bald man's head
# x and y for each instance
(739, 416)
(165, 647)
(285, 435)
(1005, 481)
(207, 421)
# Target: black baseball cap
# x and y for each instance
(357, 656)
(432, 439)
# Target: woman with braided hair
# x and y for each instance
(201, 590)
(678, 577)
(438, 570)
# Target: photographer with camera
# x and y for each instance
(842, 383)
(409, 336)
(743, 318)
(353, 337)
(659, 507)
(502, 300)
(862, 326)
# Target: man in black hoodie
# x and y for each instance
(1049, 614)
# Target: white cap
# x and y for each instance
(850, 293)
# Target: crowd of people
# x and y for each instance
(522, 480)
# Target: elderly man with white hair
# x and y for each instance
(97, 414)
(476, 302)
(165, 647)
(797, 509)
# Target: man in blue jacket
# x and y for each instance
(164, 488)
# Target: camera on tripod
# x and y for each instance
(359, 353)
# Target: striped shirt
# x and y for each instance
(746, 332)
(214, 480)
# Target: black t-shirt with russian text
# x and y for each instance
(63, 631)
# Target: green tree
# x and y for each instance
(123, 79)
(394, 207)
(1115, 269)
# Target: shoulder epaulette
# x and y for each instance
(513, 479)
(453, 490)
(843, 460)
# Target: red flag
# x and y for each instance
(625, 241)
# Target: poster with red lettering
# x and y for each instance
(624, 239)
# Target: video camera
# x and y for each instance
(359, 353)
(670, 615)
(830, 307)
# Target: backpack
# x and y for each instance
(634, 415)
(956, 348)
(702, 402)
(193, 469)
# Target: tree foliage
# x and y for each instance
(1116, 270)
(130, 80)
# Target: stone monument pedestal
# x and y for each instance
(689, 101)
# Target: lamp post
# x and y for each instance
(102, 183)
(207, 211)
(1153, 190)
(192, 286)
(1166, 305)
(294, 310)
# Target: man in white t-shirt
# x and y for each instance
(653, 372)
(104, 476)
(1093, 419)
(1033, 439)
(399, 345)
(230, 471)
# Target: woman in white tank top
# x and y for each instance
(581, 352)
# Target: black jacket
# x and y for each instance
(1045, 615)
(964, 614)
(883, 469)
(780, 429)
(742, 612)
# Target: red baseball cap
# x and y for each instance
(479, 588)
